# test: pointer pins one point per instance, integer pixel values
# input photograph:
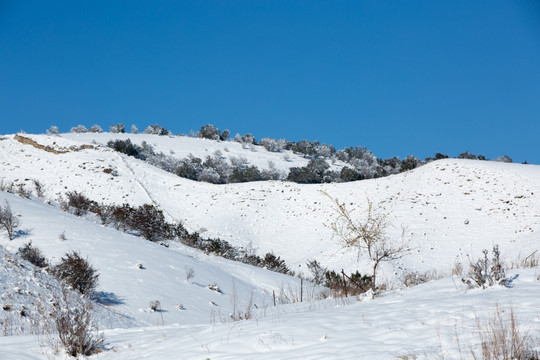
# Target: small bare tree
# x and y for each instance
(9, 221)
(367, 235)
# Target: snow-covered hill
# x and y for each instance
(450, 210)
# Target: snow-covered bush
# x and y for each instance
(53, 130)
(118, 128)
(95, 129)
(209, 131)
(134, 129)
(33, 255)
(273, 145)
(77, 273)
(78, 129)
(156, 130)
(484, 273)
(8, 220)
(504, 158)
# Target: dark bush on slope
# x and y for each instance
(77, 273)
(33, 255)
(126, 147)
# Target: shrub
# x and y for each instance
(367, 236)
(118, 128)
(33, 255)
(225, 135)
(209, 131)
(126, 147)
(77, 272)
(77, 203)
(155, 306)
(245, 174)
(317, 271)
(273, 145)
(156, 130)
(275, 263)
(149, 222)
(77, 330)
(78, 129)
(53, 130)
(409, 163)
(484, 273)
(354, 284)
(9, 221)
(95, 129)
(40, 191)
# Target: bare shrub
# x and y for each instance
(414, 278)
(23, 192)
(155, 306)
(78, 204)
(484, 273)
(77, 330)
(33, 255)
(533, 260)
(214, 287)
(190, 273)
(457, 269)
(367, 235)
(8, 220)
(77, 272)
(502, 338)
(40, 192)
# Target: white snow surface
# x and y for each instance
(450, 209)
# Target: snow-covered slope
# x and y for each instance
(450, 209)
(129, 289)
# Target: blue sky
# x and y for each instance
(405, 77)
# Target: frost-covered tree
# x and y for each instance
(79, 129)
(117, 129)
(8, 220)
(273, 145)
(134, 129)
(245, 139)
(209, 131)
(225, 135)
(53, 130)
(504, 158)
(209, 175)
(410, 162)
(312, 173)
(156, 130)
(95, 129)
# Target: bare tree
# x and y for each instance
(367, 235)
(9, 221)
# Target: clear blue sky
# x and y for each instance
(399, 77)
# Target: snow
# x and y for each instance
(451, 210)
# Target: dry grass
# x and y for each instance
(503, 338)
